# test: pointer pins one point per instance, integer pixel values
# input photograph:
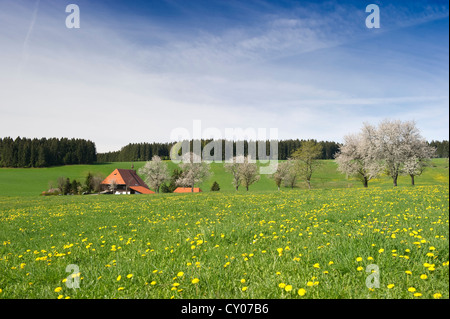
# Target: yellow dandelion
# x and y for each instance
(390, 286)
(180, 274)
(417, 294)
(242, 281)
(119, 277)
(244, 288)
(359, 259)
(120, 288)
(411, 289)
(282, 285)
(288, 288)
(423, 276)
(437, 295)
(129, 276)
(195, 281)
(316, 265)
(58, 289)
(408, 272)
(301, 292)
(359, 268)
(153, 283)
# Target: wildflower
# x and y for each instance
(408, 272)
(359, 259)
(153, 283)
(301, 292)
(58, 289)
(359, 268)
(417, 294)
(129, 276)
(120, 288)
(390, 286)
(423, 276)
(437, 295)
(288, 288)
(195, 281)
(310, 284)
(316, 265)
(282, 285)
(330, 262)
(380, 250)
(180, 274)
(119, 277)
(60, 296)
(242, 281)
(244, 288)
(411, 289)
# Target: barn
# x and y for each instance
(125, 181)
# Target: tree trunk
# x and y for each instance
(192, 189)
(412, 180)
(395, 180)
(309, 183)
(246, 187)
(237, 188)
(366, 182)
(278, 187)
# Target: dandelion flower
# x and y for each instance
(195, 281)
(153, 283)
(288, 288)
(120, 288)
(423, 276)
(58, 289)
(390, 286)
(316, 265)
(119, 277)
(60, 296)
(282, 285)
(411, 289)
(380, 250)
(359, 268)
(408, 272)
(359, 259)
(180, 274)
(417, 294)
(437, 295)
(301, 292)
(129, 276)
(244, 288)
(310, 284)
(242, 281)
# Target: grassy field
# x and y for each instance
(319, 243)
(32, 181)
(228, 245)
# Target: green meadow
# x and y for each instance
(33, 181)
(321, 243)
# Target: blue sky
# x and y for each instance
(136, 70)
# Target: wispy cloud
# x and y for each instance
(310, 70)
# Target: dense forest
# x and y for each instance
(145, 151)
(25, 152)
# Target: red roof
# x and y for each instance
(129, 178)
(187, 190)
(142, 190)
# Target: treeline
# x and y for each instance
(145, 151)
(442, 149)
(25, 152)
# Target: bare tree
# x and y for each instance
(96, 183)
(282, 173)
(354, 158)
(307, 159)
(113, 185)
(248, 172)
(194, 170)
(155, 172)
(234, 169)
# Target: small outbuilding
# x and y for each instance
(187, 190)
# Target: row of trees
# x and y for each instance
(25, 152)
(393, 148)
(66, 186)
(146, 151)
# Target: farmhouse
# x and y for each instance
(187, 190)
(125, 181)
